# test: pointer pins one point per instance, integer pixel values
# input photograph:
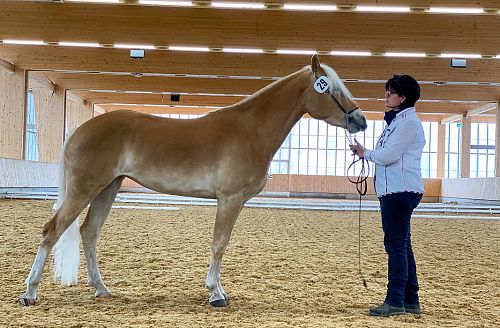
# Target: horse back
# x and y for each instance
(198, 157)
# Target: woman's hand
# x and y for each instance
(357, 149)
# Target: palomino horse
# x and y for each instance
(223, 155)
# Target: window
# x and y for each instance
(429, 154)
(452, 150)
(315, 148)
(482, 150)
(32, 152)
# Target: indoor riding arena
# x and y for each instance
(189, 163)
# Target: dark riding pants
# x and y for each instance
(396, 210)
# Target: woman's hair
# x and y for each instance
(404, 85)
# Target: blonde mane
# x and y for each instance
(338, 85)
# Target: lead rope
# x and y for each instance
(362, 188)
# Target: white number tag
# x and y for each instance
(322, 84)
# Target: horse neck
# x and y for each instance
(274, 110)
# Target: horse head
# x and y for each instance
(328, 99)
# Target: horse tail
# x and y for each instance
(67, 248)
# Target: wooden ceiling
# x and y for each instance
(107, 75)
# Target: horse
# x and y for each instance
(224, 155)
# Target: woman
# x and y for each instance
(399, 187)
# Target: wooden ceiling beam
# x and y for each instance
(261, 65)
(269, 29)
(107, 99)
(249, 86)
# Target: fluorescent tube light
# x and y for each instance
(80, 44)
(295, 52)
(182, 48)
(450, 10)
(404, 54)
(238, 5)
(391, 9)
(350, 53)
(167, 3)
(291, 6)
(243, 50)
(454, 55)
(94, 1)
(24, 42)
(134, 46)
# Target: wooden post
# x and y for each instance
(65, 113)
(25, 114)
(465, 147)
(441, 150)
(497, 141)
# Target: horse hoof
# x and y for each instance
(26, 301)
(104, 294)
(219, 303)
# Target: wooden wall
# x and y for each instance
(77, 112)
(283, 183)
(49, 115)
(11, 112)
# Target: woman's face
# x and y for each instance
(392, 99)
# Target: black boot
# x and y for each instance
(386, 310)
(413, 308)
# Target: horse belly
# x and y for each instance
(176, 182)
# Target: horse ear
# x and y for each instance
(315, 64)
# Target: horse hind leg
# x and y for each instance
(52, 231)
(90, 230)
(228, 209)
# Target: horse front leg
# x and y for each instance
(228, 208)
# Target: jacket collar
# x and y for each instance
(402, 113)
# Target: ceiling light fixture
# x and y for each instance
(450, 10)
(404, 54)
(386, 9)
(243, 50)
(350, 53)
(292, 6)
(24, 42)
(454, 55)
(238, 5)
(295, 52)
(167, 3)
(183, 48)
(79, 44)
(94, 1)
(134, 46)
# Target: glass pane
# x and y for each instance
(321, 158)
(322, 142)
(313, 141)
(294, 141)
(294, 161)
(483, 133)
(332, 142)
(313, 127)
(434, 142)
(322, 128)
(304, 126)
(425, 165)
(473, 165)
(473, 133)
(491, 134)
(332, 131)
(313, 161)
(303, 161)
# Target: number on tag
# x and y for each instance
(322, 84)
